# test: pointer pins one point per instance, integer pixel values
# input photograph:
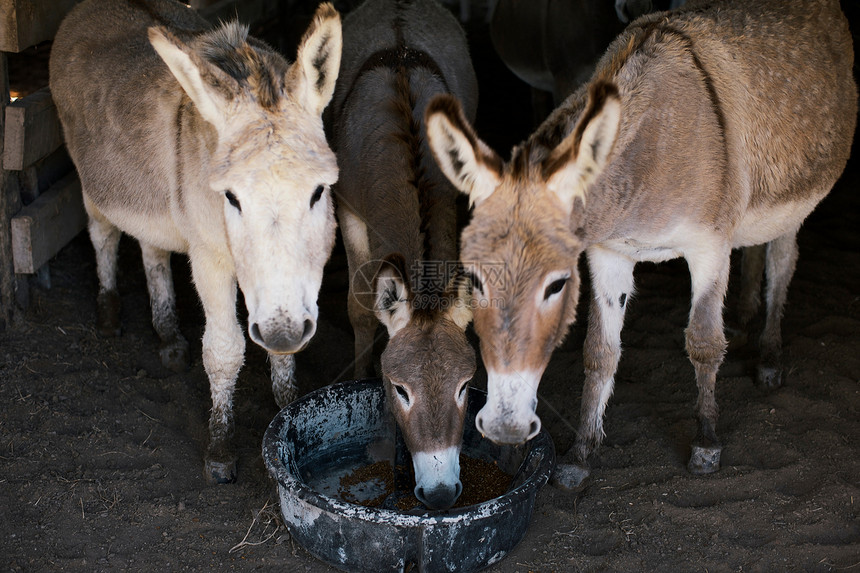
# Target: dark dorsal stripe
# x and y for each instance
(405, 57)
(410, 138)
(398, 58)
(401, 59)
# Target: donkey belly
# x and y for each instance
(157, 229)
(656, 245)
(764, 224)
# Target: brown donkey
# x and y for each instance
(398, 220)
(204, 141)
(717, 126)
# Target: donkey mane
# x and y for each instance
(252, 63)
(401, 60)
(409, 137)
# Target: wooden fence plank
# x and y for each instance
(32, 130)
(46, 225)
(10, 202)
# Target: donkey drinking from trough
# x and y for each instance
(398, 219)
(204, 141)
(717, 126)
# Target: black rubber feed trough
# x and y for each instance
(315, 441)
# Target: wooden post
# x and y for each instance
(25, 23)
(9, 205)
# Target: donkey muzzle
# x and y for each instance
(509, 416)
(507, 432)
(283, 337)
(437, 477)
(442, 496)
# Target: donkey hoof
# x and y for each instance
(704, 459)
(570, 477)
(220, 472)
(174, 356)
(769, 376)
(108, 308)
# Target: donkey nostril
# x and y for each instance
(439, 497)
(255, 333)
(534, 428)
(309, 329)
(479, 424)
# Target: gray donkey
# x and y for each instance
(398, 219)
(204, 141)
(718, 126)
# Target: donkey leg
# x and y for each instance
(781, 260)
(749, 299)
(105, 239)
(364, 326)
(706, 346)
(159, 281)
(611, 288)
(360, 301)
(223, 354)
(283, 378)
(752, 269)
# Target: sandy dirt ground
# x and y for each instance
(101, 448)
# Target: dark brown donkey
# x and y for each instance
(717, 126)
(398, 220)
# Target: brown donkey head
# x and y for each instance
(426, 368)
(522, 246)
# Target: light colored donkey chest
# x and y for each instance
(204, 141)
(716, 126)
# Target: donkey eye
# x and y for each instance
(402, 394)
(232, 200)
(462, 392)
(317, 195)
(554, 288)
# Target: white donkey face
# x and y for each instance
(280, 225)
(272, 167)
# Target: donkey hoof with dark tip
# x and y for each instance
(704, 460)
(769, 376)
(570, 477)
(220, 472)
(174, 356)
(108, 308)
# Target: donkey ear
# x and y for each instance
(318, 59)
(188, 70)
(460, 312)
(392, 294)
(470, 165)
(577, 161)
